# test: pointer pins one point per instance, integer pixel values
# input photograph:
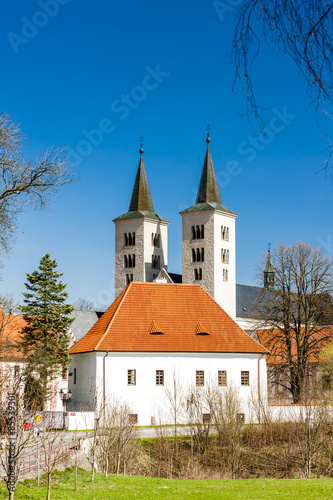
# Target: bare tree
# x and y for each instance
(117, 432)
(82, 304)
(225, 411)
(292, 312)
(175, 395)
(302, 30)
(26, 183)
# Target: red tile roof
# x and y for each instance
(10, 331)
(179, 312)
(274, 341)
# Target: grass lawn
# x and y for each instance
(135, 487)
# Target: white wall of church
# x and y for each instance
(160, 230)
(147, 399)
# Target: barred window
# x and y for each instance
(245, 378)
(131, 377)
(159, 377)
(200, 378)
(222, 378)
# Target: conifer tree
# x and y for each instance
(45, 338)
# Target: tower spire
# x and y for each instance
(208, 188)
(141, 200)
(269, 273)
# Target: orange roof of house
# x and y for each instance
(273, 340)
(10, 335)
(166, 317)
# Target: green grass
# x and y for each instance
(136, 488)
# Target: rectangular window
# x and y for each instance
(241, 418)
(222, 378)
(132, 418)
(131, 377)
(159, 377)
(74, 378)
(245, 378)
(206, 418)
(200, 378)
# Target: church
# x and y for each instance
(163, 325)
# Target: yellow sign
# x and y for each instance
(38, 419)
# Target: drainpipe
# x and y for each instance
(259, 395)
(104, 383)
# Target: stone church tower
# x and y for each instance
(141, 237)
(209, 249)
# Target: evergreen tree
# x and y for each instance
(45, 339)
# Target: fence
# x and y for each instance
(29, 463)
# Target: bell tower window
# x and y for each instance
(224, 233)
(198, 232)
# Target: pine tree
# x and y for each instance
(44, 339)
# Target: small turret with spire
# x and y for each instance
(269, 273)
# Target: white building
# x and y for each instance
(156, 330)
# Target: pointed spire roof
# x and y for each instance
(208, 189)
(269, 267)
(141, 202)
(141, 197)
(209, 197)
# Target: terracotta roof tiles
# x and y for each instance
(176, 309)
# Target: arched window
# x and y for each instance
(202, 254)
(133, 260)
(130, 239)
(158, 262)
(126, 240)
(196, 274)
(198, 233)
(202, 235)
(125, 261)
(193, 233)
(131, 277)
(158, 240)
(133, 239)
(227, 257)
(129, 261)
(193, 255)
(198, 254)
(200, 274)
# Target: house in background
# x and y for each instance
(156, 330)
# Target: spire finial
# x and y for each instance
(208, 128)
(141, 142)
(269, 246)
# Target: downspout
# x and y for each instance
(104, 382)
(259, 394)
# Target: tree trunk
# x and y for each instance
(48, 496)
(75, 475)
(106, 464)
(93, 469)
(11, 495)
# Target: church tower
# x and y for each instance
(269, 273)
(209, 249)
(141, 237)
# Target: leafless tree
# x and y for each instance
(225, 410)
(82, 304)
(292, 312)
(302, 30)
(22, 427)
(26, 183)
(175, 395)
(117, 432)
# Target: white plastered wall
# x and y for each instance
(148, 400)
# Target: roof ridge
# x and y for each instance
(113, 317)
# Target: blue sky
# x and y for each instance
(93, 76)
